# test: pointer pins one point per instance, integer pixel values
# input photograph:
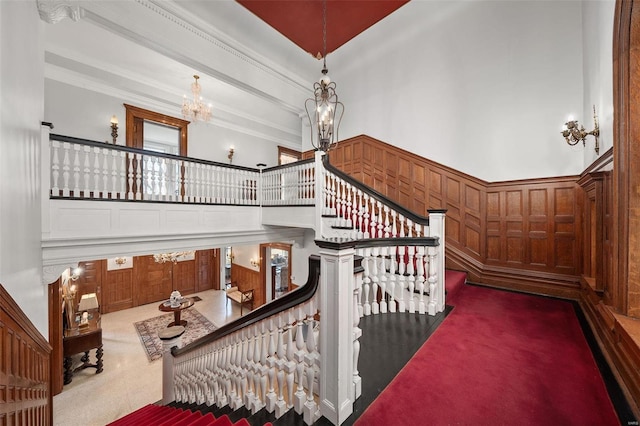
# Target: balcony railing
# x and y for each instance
(82, 169)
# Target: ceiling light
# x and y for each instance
(323, 107)
(195, 110)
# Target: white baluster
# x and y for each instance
(76, 170)
(420, 278)
(357, 333)
(401, 277)
(434, 290)
(65, 168)
(139, 176)
(55, 168)
(300, 396)
(86, 172)
(392, 278)
(366, 281)
(411, 278)
(105, 173)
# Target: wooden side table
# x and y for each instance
(80, 340)
(187, 302)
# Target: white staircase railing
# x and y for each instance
(82, 169)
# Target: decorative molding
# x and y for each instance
(54, 11)
(52, 272)
(117, 263)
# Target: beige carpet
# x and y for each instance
(197, 326)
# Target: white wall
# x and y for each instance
(481, 86)
(300, 256)
(21, 91)
(597, 29)
(86, 114)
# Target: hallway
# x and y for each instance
(129, 381)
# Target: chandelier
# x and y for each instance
(324, 104)
(172, 257)
(195, 110)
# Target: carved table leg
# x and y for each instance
(99, 357)
(68, 374)
(85, 358)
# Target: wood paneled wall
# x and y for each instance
(523, 235)
(249, 279)
(25, 383)
(146, 281)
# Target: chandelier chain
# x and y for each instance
(324, 32)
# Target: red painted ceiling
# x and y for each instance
(301, 20)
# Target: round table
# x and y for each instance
(187, 302)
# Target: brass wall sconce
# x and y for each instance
(75, 274)
(231, 152)
(114, 129)
(573, 133)
(255, 263)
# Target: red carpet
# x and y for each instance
(499, 358)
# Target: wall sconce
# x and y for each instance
(75, 274)
(574, 134)
(231, 152)
(255, 263)
(120, 260)
(114, 129)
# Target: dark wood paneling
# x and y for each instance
(55, 336)
(90, 280)
(249, 279)
(25, 381)
(153, 280)
(207, 270)
(499, 230)
(118, 292)
(184, 276)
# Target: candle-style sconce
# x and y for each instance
(231, 152)
(574, 133)
(114, 129)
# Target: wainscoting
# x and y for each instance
(522, 235)
(25, 382)
(249, 279)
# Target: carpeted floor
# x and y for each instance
(499, 358)
(197, 326)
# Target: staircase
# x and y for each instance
(159, 415)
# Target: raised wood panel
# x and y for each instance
(530, 225)
(247, 279)
(184, 277)
(205, 270)
(90, 280)
(25, 381)
(117, 290)
(153, 280)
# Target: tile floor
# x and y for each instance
(129, 381)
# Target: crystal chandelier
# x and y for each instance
(195, 110)
(325, 104)
(172, 257)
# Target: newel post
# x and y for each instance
(319, 191)
(337, 282)
(436, 229)
(170, 337)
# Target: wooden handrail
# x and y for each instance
(423, 220)
(98, 144)
(289, 300)
(284, 166)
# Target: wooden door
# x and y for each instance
(153, 281)
(207, 270)
(184, 276)
(90, 280)
(117, 291)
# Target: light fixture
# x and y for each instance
(171, 257)
(573, 133)
(255, 263)
(231, 152)
(114, 129)
(87, 302)
(75, 274)
(195, 110)
(325, 102)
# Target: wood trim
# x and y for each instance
(25, 379)
(135, 114)
(288, 151)
(526, 231)
(55, 336)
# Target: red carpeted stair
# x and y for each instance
(159, 415)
